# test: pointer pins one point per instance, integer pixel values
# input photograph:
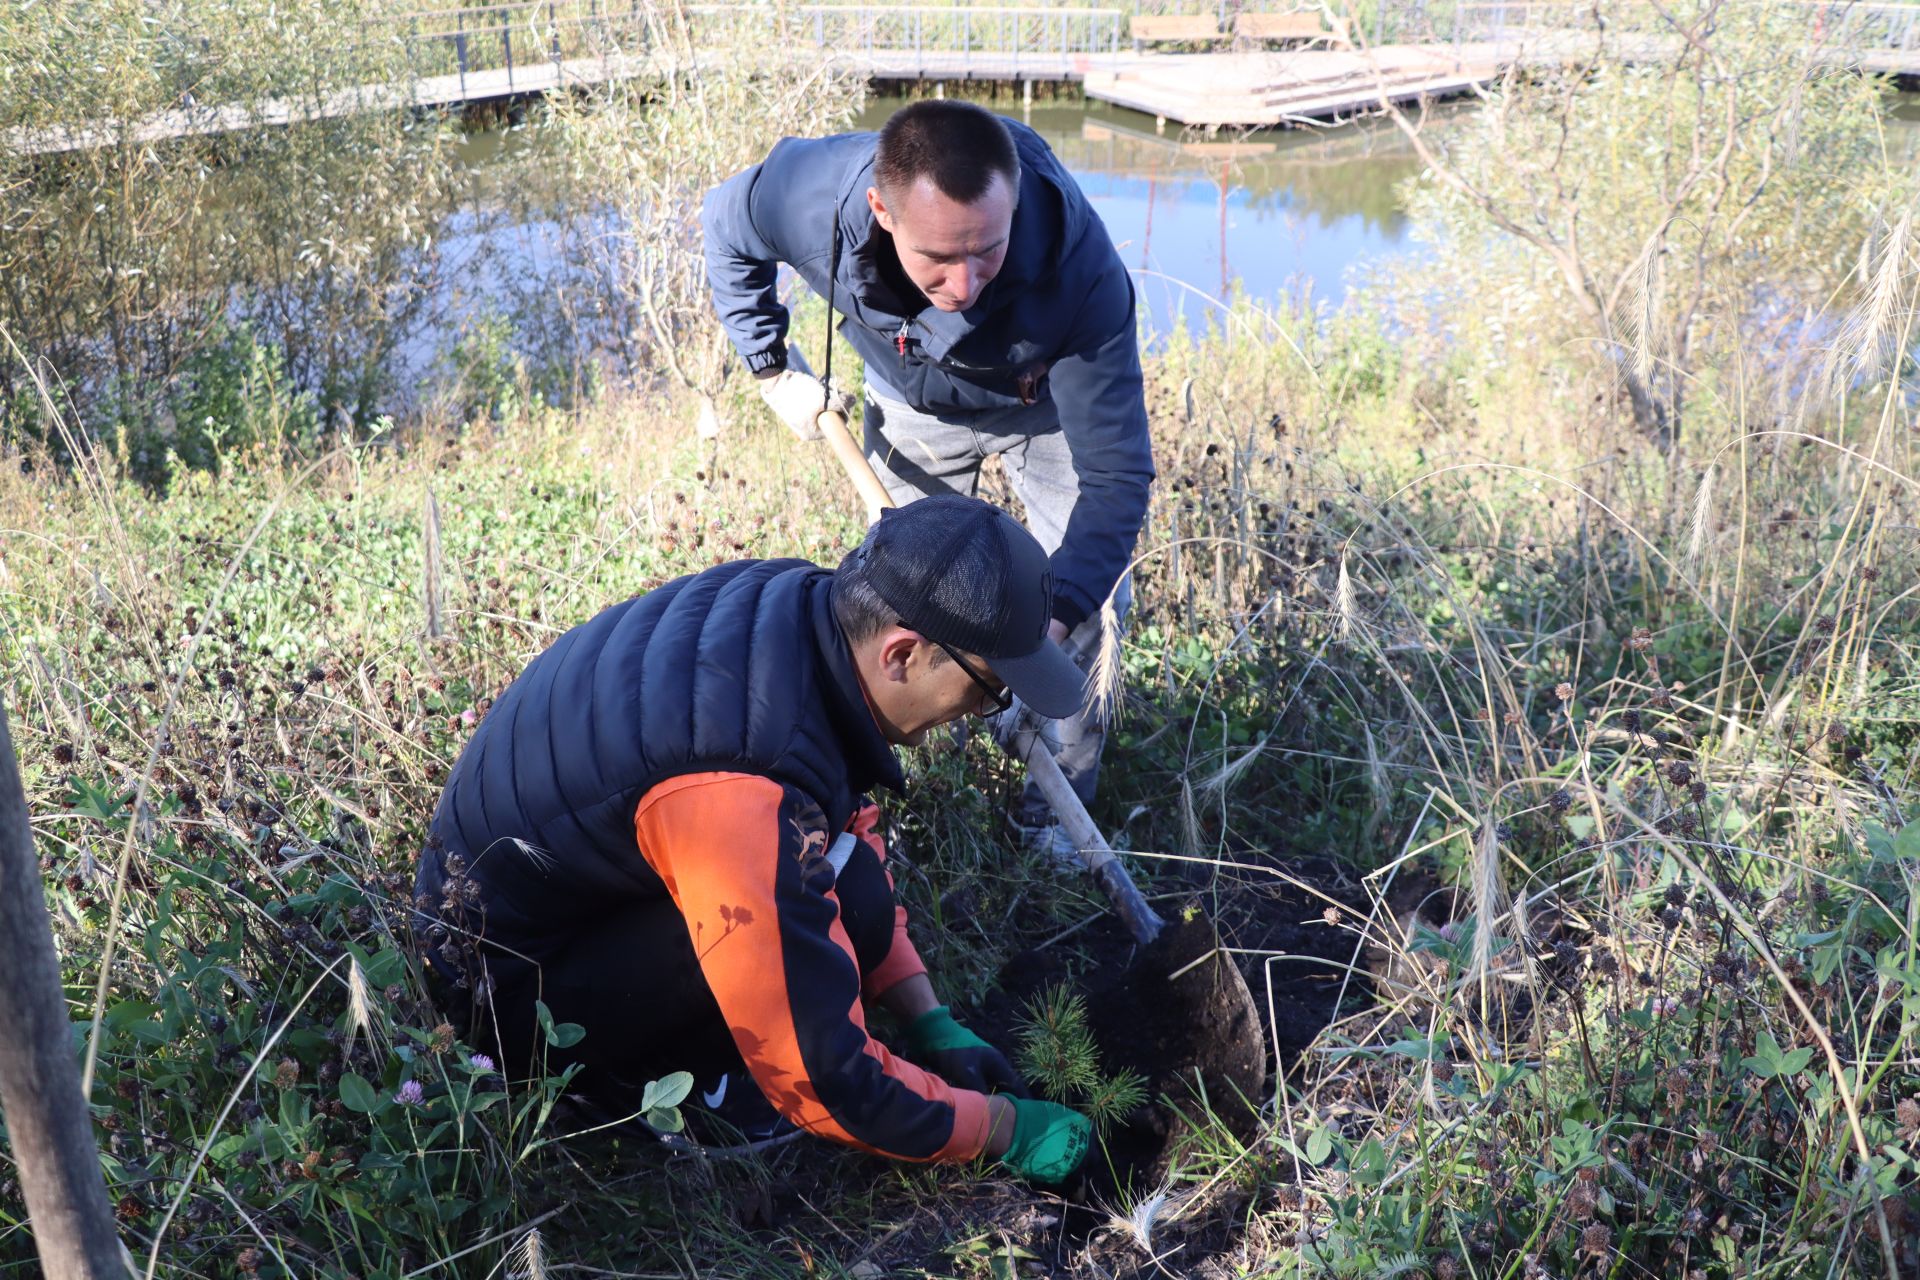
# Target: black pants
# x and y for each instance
(631, 979)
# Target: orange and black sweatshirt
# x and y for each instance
(707, 742)
(748, 863)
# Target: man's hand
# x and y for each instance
(1049, 1141)
(958, 1056)
(796, 399)
(1057, 631)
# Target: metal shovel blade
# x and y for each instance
(1183, 989)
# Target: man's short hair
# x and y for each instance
(958, 145)
(858, 608)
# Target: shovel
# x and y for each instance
(1181, 975)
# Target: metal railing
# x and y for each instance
(1842, 27)
(968, 39)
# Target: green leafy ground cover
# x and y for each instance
(1674, 781)
(1528, 691)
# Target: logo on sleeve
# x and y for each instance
(809, 841)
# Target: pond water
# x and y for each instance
(1282, 214)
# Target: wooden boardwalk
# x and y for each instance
(528, 79)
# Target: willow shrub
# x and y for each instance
(128, 265)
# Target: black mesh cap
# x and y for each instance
(964, 573)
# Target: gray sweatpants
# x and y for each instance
(919, 453)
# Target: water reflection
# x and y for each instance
(1278, 213)
(1283, 215)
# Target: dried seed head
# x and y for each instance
(1563, 691)
(1596, 1240)
(1906, 1115)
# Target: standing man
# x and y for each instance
(994, 317)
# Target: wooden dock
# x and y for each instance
(1267, 90)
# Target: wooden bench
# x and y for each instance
(1290, 28)
(1189, 28)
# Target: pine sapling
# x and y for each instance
(1057, 1050)
(1113, 1097)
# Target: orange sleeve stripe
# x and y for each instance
(972, 1122)
(866, 825)
(720, 844)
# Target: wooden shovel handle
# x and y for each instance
(1107, 869)
(853, 460)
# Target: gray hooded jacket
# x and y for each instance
(1057, 322)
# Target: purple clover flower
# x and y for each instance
(411, 1094)
(480, 1062)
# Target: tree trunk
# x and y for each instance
(47, 1122)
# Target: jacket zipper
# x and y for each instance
(900, 342)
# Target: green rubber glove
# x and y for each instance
(935, 1040)
(1049, 1141)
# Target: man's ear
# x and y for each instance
(879, 207)
(896, 651)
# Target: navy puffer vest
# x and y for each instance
(741, 668)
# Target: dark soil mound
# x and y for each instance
(1188, 1034)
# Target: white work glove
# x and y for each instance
(796, 399)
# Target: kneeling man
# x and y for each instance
(661, 831)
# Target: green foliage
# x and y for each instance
(232, 397)
(489, 375)
(265, 1055)
(1057, 1049)
(1058, 1053)
(276, 266)
(1111, 1098)
(1623, 811)
(1615, 206)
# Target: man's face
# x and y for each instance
(914, 687)
(949, 250)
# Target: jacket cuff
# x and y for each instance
(1069, 612)
(972, 1126)
(774, 357)
(902, 961)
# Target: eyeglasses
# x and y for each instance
(1000, 699)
